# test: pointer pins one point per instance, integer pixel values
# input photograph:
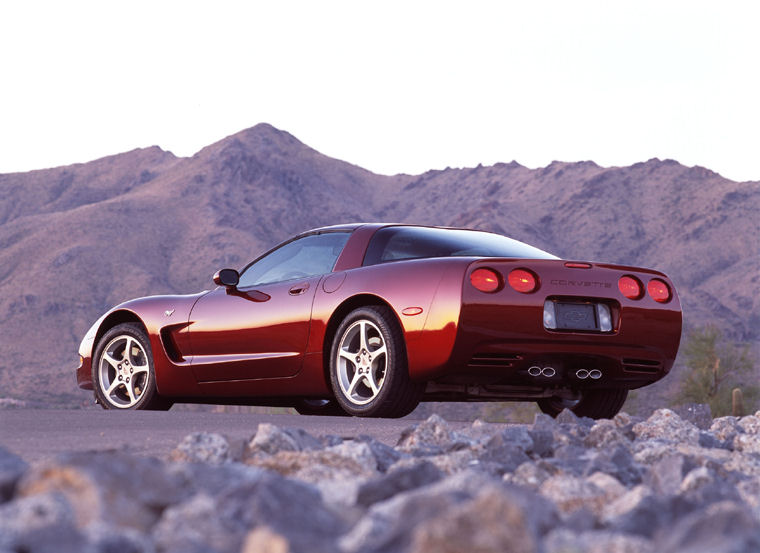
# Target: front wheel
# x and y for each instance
(597, 404)
(122, 370)
(369, 372)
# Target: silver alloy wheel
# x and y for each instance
(124, 372)
(362, 362)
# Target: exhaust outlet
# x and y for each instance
(582, 374)
(596, 374)
(548, 371)
(534, 371)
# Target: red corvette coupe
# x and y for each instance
(371, 319)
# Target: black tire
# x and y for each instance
(351, 377)
(596, 404)
(123, 375)
(319, 407)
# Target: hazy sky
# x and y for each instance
(391, 86)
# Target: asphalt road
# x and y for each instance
(36, 434)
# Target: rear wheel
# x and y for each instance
(597, 404)
(122, 370)
(369, 372)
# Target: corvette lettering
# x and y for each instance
(581, 283)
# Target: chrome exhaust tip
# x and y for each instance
(582, 374)
(548, 371)
(596, 374)
(534, 371)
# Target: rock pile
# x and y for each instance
(668, 484)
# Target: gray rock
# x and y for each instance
(571, 493)
(195, 526)
(505, 455)
(496, 520)
(391, 526)
(710, 441)
(532, 474)
(212, 480)
(702, 486)
(543, 442)
(747, 443)
(396, 481)
(571, 433)
(11, 468)
(750, 424)
(108, 539)
(724, 527)
(698, 414)
(625, 423)
(665, 476)
(626, 503)
(605, 433)
(431, 437)
(574, 459)
(749, 490)
(618, 462)
(566, 416)
(290, 508)
(337, 471)
(270, 439)
(44, 523)
(452, 463)
(725, 428)
(518, 436)
(565, 540)
(385, 455)
(388, 525)
(543, 422)
(666, 426)
(357, 451)
(651, 513)
(203, 447)
(113, 488)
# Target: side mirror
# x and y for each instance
(227, 277)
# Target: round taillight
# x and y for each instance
(485, 280)
(630, 287)
(523, 281)
(658, 290)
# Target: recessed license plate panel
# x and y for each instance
(575, 316)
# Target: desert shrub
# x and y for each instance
(714, 367)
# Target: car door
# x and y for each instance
(260, 329)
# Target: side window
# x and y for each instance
(311, 255)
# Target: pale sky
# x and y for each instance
(395, 87)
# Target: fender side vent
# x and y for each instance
(172, 352)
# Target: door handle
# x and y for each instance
(298, 289)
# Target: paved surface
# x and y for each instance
(40, 434)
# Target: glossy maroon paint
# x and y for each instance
(271, 341)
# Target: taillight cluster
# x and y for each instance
(632, 288)
(488, 280)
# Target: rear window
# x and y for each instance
(397, 243)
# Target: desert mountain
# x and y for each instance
(76, 240)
